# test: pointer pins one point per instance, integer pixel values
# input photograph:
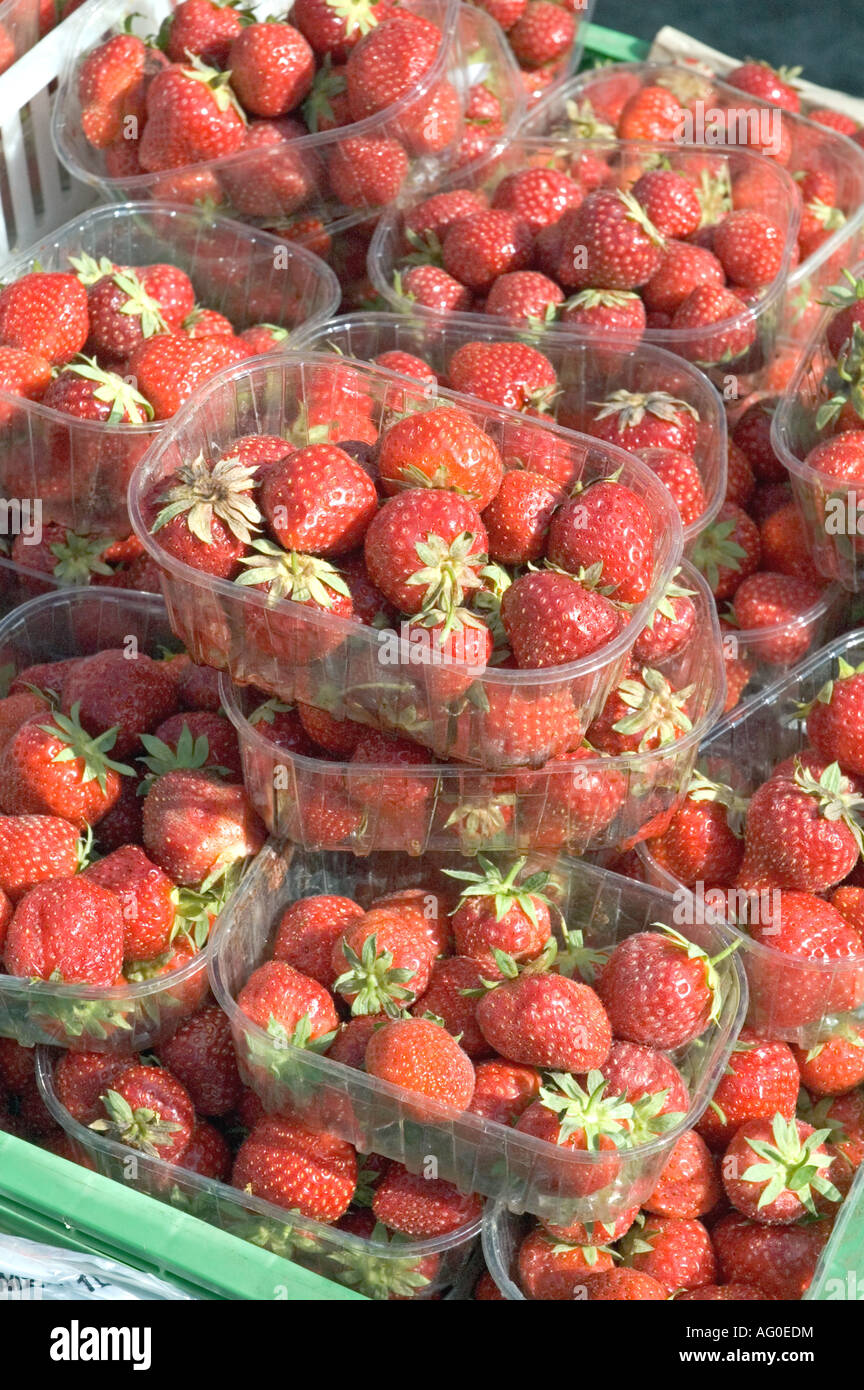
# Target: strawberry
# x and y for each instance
(835, 719)
(146, 898)
(112, 82)
(503, 1090)
(22, 373)
(424, 225)
(290, 1007)
(802, 832)
(423, 1058)
(69, 930)
(367, 170)
(203, 29)
(581, 1120)
(318, 500)
(262, 338)
(498, 913)
(778, 1260)
(728, 550)
(646, 420)
(786, 995)
(623, 1285)
(407, 364)
(35, 849)
(194, 825)
(641, 1074)
(552, 1270)
(81, 1078)
(308, 931)
(688, 1185)
(683, 266)
(607, 526)
(388, 62)
(524, 297)
(723, 1293)
(433, 288)
(669, 628)
(195, 738)
(518, 517)
(547, 1021)
(271, 68)
(275, 178)
(207, 1153)
(543, 32)
(338, 737)
(676, 1251)
(309, 582)
(595, 1232)
(450, 997)
(650, 113)
(205, 514)
(381, 965)
(670, 201)
(849, 902)
(610, 243)
(761, 80)
(480, 247)
(440, 448)
(45, 314)
(784, 545)
(124, 310)
(504, 12)
(752, 434)
(551, 618)
(766, 600)
(772, 1170)
(170, 366)
(703, 841)
(86, 391)
(641, 713)
(833, 120)
(510, 374)
(420, 1207)
(128, 696)
(835, 1066)
(720, 325)
(538, 196)
(847, 298)
(599, 312)
(349, 1045)
(192, 116)
(660, 989)
(425, 549)
(398, 793)
(58, 769)
(201, 1055)
(749, 246)
(147, 1108)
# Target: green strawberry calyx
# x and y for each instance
(448, 572)
(714, 195)
(93, 752)
(845, 380)
(842, 295)
(845, 672)
(266, 712)
(78, 558)
(159, 757)
(140, 304)
(649, 1118)
(791, 1164)
(300, 1036)
(693, 952)
(828, 217)
(631, 407)
(217, 83)
(378, 985)
(378, 1276)
(127, 405)
(600, 299)
(425, 248)
(657, 711)
(502, 888)
(715, 550)
(702, 788)
(835, 797)
(636, 213)
(141, 1129)
(290, 574)
(665, 607)
(201, 491)
(584, 121)
(575, 958)
(88, 270)
(328, 84)
(587, 1109)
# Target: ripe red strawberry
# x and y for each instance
(518, 517)
(440, 448)
(381, 965)
(646, 420)
(849, 902)
(749, 246)
(170, 366)
(35, 849)
(318, 500)
(432, 288)
(80, 787)
(728, 550)
(543, 32)
(146, 897)
(761, 80)
(608, 526)
(703, 841)
(538, 196)
(504, 1090)
(127, 695)
(766, 600)
(524, 297)
(338, 736)
(112, 82)
(421, 1207)
(400, 793)
(201, 1056)
(290, 1007)
(610, 243)
(69, 930)
(407, 364)
(719, 324)
(599, 312)
(774, 1169)
(510, 374)
(45, 314)
(670, 201)
(497, 912)
(195, 738)
(802, 832)
(194, 825)
(389, 61)
(623, 1285)
(675, 1251)
(660, 989)
(22, 373)
(147, 1108)
(285, 1163)
(480, 247)
(80, 1078)
(309, 929)
(552, 1270)
(275, 178)
(349, 1045)
(833, 120)
(581, 1119)
(785, 995)
(689, 1185)
(124, 309)
(683, 266)
(835, 719)
(309, 582)
(272, 68)
(192, 116)
(425, 549)
(367, 170)
(835, 1066)
(546, 1021)
(424, 225)
(778, 1260)
(669, 628)
(551, 618)
(650, 113)
(205, 514)
(723, 1293)
(202, 28)
(447, 998)
(422, 1057)
(86, 391)
(504, 12)
(208, 1152)
(784, 545)
(752, 434)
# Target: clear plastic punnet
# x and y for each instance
(599, 803)
(19, 30)
(792, 998)
(524, 1173)
(760, 655)
(299, 179)
(380, 1269)
(741, 344)
(831, 508)
(90, 1018)
(800, 144)
(584, 375)
(79, 469)
(355, 671)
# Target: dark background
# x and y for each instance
(823, 39)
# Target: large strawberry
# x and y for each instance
(422, 1057)
(421, 1207)
(285, 1163)
(581, 1119)
(67, 930)
(606, 525)
(802, 832)
(122, 692)
(318, 500)
(271, 67)
(511, 374)
(35, 849)
(206, 514)
(550, 618)
(170, 366)
(545, 1020)
(835, 719)
(610, 243)
(389, 62)
(425, 549)
(196, 826)
(703, 841)
(440, 448)
(660, 989)
(192, 116)
(45, 314)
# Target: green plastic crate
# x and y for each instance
(46, 1198)
(609, 46)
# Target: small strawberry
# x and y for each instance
(208, 1152)
(688, 1185)
(425, 549)
(623, 1285)
(148, 1109)
(772, 85)
(420, 1207)
(645, 420)
(543, 32)
(538, 196)
(380, 964)
(201, 1055)
(432, 288)
(285, 1163)
(669, 628)
(703, 842)
(498, 913)
(423, 1058)
(518, 517)
(660, 989)
(598, 312)
(524, 297)
(752, 434)
(68, 930)
(451, 996)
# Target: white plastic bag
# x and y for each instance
(32, 1272)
